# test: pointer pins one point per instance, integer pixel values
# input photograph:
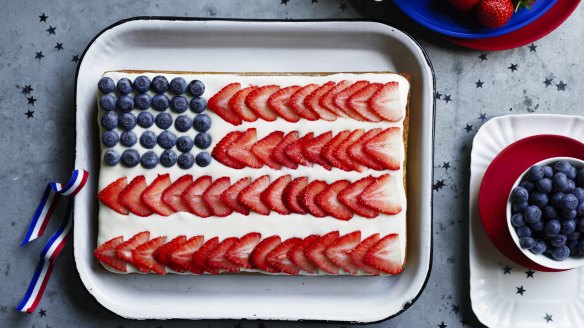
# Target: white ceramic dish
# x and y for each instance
(494, 294)
(256, 46)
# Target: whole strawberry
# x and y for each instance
(465, 6)
(495, 13)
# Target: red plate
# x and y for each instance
(499, 178)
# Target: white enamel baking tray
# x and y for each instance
(153, 43)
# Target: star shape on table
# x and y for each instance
(442, 325)
(31, 100)
(51, 30)
(548, 317)
(529, 273)
(532, 47)
(284, 2)
(43, 313)
(59, 46)
(343, 6)
(27, 89)
(446, 165)
(455, 308)
(479, 83)
(447, 98)
(438, 95)
(39, 55)
(507, 270)
(483, 56)
(43, 18)
(548, 81)
(513, 67)
(520, 290)
(561, 86)
(468, 128)
(483, 117)
(438, 185)
(29, 114)
(75, 58)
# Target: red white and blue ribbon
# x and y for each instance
(53, 247)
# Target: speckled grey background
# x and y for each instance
(40, 148)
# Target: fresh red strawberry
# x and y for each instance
(341, 153)
(220, 151)
(110, 195)
(297, 254)
(182, 255)
(240, 149)
(465, 6)
(308, 198)
(357, 151)
(312, 101)
(143, 258)
(260, 252)
(279, 102)
(359, 102)
(152, 196)
(340, 251)
(219, 103)
(385, 255)
(212, 197)
(240, 252)
(201, 256)
(358, 254)
(264, 148)
(294, 150)
(313, 148)
(291, 195)
(130, 197)
(230, 195)
(278, 257)
(279, 155)
(316, 253)
(124, 250)
(386, 102)
(238, 106)
(495, 13)
(386, 148)
(193, 196)
(297, 102)
(273, 195)
(329, 149)
(218, 259)
(342, 97)
(328, 99)
(329, 202)
(350, 197)
(251, 195)
(162, 254)
(382, 195)
(106, 254)
(172, 195)
(257, 101)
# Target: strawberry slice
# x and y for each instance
(357, 151)
(220, 151)
(201, 256)
(278, 257)
(312, 101)
(230, 195)
(212, 197)
(386, 148)
(152, 196)
(272, 196)
(297, 254)
(257, 101)
(143, 258)
(193, 196)
(264, 148)
(106, 254)
(382, 195)
(342, 97)
(110, 195)
(182, 255)
(217, 257)
(124, 250)
(316, 253)
(162, 254)
(308, 198)
(297, 102)
(294, 150)
(238, 106)
(240, 252)
(385, 255)
(279, 102)
(260, 252)
(251, 195)
(328, 99)
(313, 148)
(329, 202)
(219, 103)
(130, 197)
(341, 153)
(240, 149)
(359, 102)
(328, 150)
(172, 195)
(291, 195)
(386, 102)
(340, 251)
(279, 156)
(358, 254)
(350, 198)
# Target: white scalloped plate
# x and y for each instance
(494, 293)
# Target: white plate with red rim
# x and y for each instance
(219, 45)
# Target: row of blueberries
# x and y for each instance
(168, 158)
(127, 121)
(148, 140)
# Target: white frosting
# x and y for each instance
(113, 224)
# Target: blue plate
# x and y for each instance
(439, 16)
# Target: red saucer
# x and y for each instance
(499, 178)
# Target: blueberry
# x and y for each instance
(520, 195)
(519, 207)
(109, 120)
(180, 104)
(148, 139)
(558, 240)
(574, 236)
(517, 220)
(537, 226)
(166, 139)
(183, 123)
(178, 85)
(160, 103)
(534, 173)
(127, 121)
(580, 209)
(579, 193)
(143, 101)
(552, 227)
(108, 102)
(549, 212)
(523, 231)
(560, 182)
(106, 85)
(580, 177)
(581, 224)
(198, 104)
(124, 86)
(202, 123)
(142, 83)
(528, 185)
(569, 215)
(186, 161)
(159, 84)
(128, 138)
(184, 144)
(562, 166)
(568, 226)
(163, 121)
(571, 185)
(145, 120)
(538, 198)
(548, 172)
(560, 253)
(532, 214)
(539, 247)
(569, 202)
(556, 198)
(125, 103)
(526, 242)
(111, 157)
(203, 141)
(109, 138)
(203, 159)
(168, 158)
(544, 185)
(149, 160)
(130, 158)
(572, 173)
